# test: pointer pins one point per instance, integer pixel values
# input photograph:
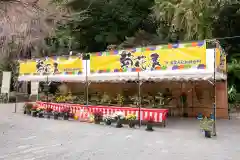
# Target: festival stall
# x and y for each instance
(183, 72)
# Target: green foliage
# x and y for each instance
(63, 41)
(193, 19)
(65, 38)
(206, 124)
(234, 67)
(234, 73)
(108, 22)
(131, 117)
(232, 93)
(141, 38)
(133, 23)
(227, 25)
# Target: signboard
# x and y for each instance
(34, 88)
(168, 57)
(113, 61)
(6, 80)
(52, 65)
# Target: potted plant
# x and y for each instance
(65, 113)
(69, 98)
(34, 111)
(48, 112)
(150, 122)
(120, 99)
(27, 108)
(55, 114)
(40, 112)
(135, 100)
(105, 99)
(119, 116)
(61, 99)
(206, 125)
(107, 119)
(98, 117)
(131, 120)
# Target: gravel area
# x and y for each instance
(26, 138)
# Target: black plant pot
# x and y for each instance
(108, 122)
(119, 124)
(55, 116)
(71, 115)
(149, 127)
(131, 125)
(28, 112)
(40, 115)
(208, 134)
(97, 121)
(65, 117)
(34, 113)
(48, 116)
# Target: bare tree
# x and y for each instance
(24, 24)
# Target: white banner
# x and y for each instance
(6, 80)
(34, 88)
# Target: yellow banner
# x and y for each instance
(146, 59)
(107, 62)
(58, 65)
(221, 60)
(174, 59)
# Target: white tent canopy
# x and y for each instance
(172, 75)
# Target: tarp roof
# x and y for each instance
(172, 75)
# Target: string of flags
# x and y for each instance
(116, 52)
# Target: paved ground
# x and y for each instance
(27, 138)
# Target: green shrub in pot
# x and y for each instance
(207, 125)
(131, 120)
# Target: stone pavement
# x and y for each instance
(27, 138)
